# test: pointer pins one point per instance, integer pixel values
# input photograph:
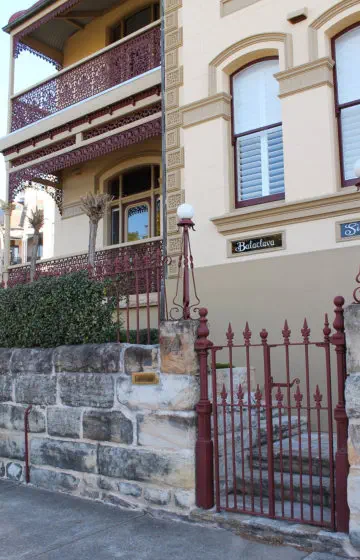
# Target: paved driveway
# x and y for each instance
(36, 524)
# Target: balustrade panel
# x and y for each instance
(102, 72)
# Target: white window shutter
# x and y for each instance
(350, 128)
(260, 164)
(255, 95)
(347, 53)
(259, 155)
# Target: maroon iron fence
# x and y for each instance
(273, 440)
(124, 61)
(136, 275)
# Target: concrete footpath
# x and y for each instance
(36, 524)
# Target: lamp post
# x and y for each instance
(185, 213)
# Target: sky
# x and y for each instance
(29, 70)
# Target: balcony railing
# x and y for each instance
(135, 273)
(126, 59)
(109, 263)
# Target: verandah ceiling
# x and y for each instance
(54, 29)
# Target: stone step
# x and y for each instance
(284, 432)
(256, 441)
(263, 435)
(320, 492)
(319, 457)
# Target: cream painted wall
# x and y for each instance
(309, 123)
(72, 235)
(95, 35)
(310, 144)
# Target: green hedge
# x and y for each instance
(71, 309)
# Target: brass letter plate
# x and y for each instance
(145, 379)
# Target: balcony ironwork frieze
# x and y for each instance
(122, 62)
(47, 170)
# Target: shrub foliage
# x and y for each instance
(71, 309)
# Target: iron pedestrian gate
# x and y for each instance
(270, 448)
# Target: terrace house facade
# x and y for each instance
(260, 134)
(94, 125)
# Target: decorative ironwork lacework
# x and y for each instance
(54, 190)
(109, 110)
(104, 71)
(122, 121)
(21, 47)
(108, 264)
(19, 180)
(47, 150)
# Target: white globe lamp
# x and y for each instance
(185, 212)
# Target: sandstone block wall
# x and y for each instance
(95, 434)
(352, 398)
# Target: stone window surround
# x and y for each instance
(336, 18)
(221, 68)
(263, 198)
(328, 24)
(316, 73)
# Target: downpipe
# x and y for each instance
(26, 430)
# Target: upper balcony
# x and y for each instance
(113, 65)
(99, 46)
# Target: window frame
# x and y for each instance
(121, 22)
(126, 207)
(340, 106)
(234, 137)
(124, 202)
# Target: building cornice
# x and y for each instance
(306, 76)
(277, 214)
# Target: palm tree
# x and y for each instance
(94, 206)
(36, 221)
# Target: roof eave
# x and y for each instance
(29, 13)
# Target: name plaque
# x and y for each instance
(255, 244)
(350, 230)
(145, 378)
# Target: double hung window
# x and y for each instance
(257, 134)
(346, 52)
(135, 212)
(135, 21)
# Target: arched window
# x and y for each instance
(257, 134)
(346, 53)
(135, 211)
